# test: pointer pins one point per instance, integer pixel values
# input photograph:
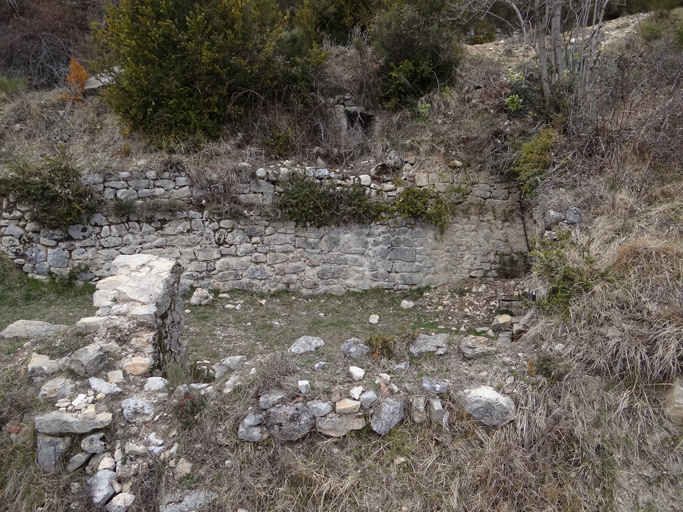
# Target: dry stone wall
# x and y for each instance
(258, 253)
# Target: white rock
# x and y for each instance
(356, 373)
(406, 304)
(306, 344)
(120, 502)
(304, 386)
(356, 392)
(488, 406)
(156, 384)
(374, 319)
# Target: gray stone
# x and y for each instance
(319, 408)
(337, 425)
(65, 423)
(89, 324)
(501, 323)
(136, 410)
(354, 348)
(406, 304)
(30, 329)
(306, 344)
(435, 386)
(387, 415)
(120, 502)
(77, 461)
(573, 215)
(201, 297)
(79, 232)
(56, 235)
(94, 463)
(368, 398)
(251, 429)
(473, 347)
(104, 387)
(14, 230)
(41, 366)
(231, 363)
(435, 410)
(94, 443)
(50, 449)
(101, 486)
(289, 422)
(36, 254)
(194, 501)
(88, 360)
(271, 398)
(57, 388)
(156, 384)
(424, 344)
(488, 406)
(58, 258)
(552, 218)
(418, 409)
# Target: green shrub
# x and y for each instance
(535, 158)
(304, 199)
(567, 278)
(336, 19)
(513, 103)
(423, 204)
(651, 31)
(54, 191)
(180, 69)
(418, 48)
(381, 345)
(10, 85)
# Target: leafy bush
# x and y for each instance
(304, 199)
(513, 103)
(651, 31)
(336, 19)
(535, 158)
(418, 48)
(180, 69)
(423, 204)
(53, 190)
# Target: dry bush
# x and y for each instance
(38, 37)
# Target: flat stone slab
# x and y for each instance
(64, 423)
(337, 425)
(30, 329)
(425, 344)
(473, 347)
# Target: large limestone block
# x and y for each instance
(30, 329)
(63, 423)
(337, 425)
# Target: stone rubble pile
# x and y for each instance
(136, 329)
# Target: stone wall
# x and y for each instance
(259, 253)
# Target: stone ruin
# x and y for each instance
(137, 329)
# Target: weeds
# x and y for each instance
(53, 190)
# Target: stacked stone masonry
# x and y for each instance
(257, 253)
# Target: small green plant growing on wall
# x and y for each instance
(534, 160)
(53, 190)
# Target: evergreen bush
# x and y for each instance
(418, 47)
(181, 69)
